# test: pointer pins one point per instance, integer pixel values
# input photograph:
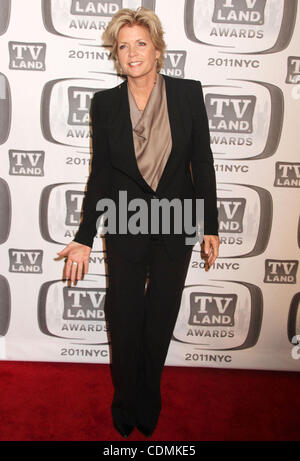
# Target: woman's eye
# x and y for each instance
(123, 46)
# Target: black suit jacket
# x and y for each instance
(189, 172)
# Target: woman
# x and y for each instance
(148, 134)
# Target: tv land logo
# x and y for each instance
(75, 313)
(26, 163)
(232, 114)
(239, 12)
(207, 309)
(280, 271)
(79, 105)
(5, 108)
(222, 315)
(5, 305)
(95, 8)
(293, 70)
(5, 211)
(245, 219)
(174, 63)
(241, 26)
(84, 19)
(60, 211)
(4, 15)
(65, 110)
(245, 119)
(27, 56)
(287, 174)
(231, 214)
(74, 200)
(25, 261)
(83, 304)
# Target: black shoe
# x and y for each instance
(124, 429)
(144, 430)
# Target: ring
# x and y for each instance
(75, 264)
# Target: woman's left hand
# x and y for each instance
(211, 245)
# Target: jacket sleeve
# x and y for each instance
(98, 181)
(202, 160)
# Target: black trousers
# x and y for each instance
(143, 301)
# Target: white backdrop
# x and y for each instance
(244, 312)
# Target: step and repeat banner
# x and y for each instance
(244, 312)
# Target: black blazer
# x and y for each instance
(189, 172)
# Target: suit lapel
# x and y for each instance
(175, 126)
(121, 136)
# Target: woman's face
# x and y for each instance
(136, 52)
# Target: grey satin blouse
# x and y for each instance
(151, 133)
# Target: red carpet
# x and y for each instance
(67, 401)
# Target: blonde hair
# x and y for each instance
(142, 17)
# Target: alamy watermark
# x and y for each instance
(182, 219)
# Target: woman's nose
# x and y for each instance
(132, 51)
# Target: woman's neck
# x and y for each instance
(142, 85)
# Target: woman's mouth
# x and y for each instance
(135, 63)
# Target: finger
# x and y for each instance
(202, 252)
(73, 273)
(206, 247)
(63, 252)
(79, 271)
(211, 255)
(86, 266)
(67, 269)
(212, 259)
(214, 253)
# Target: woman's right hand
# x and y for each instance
(77, 261)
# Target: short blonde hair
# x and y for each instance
(142, 17)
